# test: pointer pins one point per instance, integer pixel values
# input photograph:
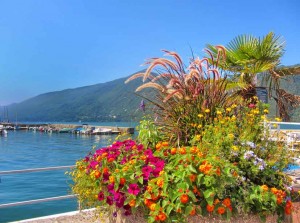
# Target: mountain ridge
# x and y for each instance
(110, 101)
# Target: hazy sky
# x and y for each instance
(51, 45)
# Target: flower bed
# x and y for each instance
(207, 156)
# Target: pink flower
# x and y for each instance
(146, 172)
(251, 105)
(133, 189)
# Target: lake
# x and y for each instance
(26, 150)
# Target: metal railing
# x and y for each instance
(36, 200)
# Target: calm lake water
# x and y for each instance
(26, 150)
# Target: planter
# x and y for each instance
(138, 218)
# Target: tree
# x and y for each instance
(248, 56)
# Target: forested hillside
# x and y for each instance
(111, 101)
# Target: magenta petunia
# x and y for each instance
(101, 196)
(148, 153)
(133, 189)
(146, 170)
(109, 200)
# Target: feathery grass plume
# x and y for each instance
(137, 75)
(167, 64)
(150, 85)
(181, 93)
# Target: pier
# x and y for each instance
(70, 128)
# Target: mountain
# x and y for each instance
(111, 101)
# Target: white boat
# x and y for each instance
(3, 131)
(102, 131)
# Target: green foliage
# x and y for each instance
(149, 134)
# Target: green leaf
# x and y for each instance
(164, 203)
(169, 209)
(208, 195)
(141, 180)
(188, 210)
(192, 169)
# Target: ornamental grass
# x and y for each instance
(206, 153)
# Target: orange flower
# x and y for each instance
(122, 181)
(147, 202)
(274, 190)
(227, 202)
(205, 167)
(165, 144)
(97, 174)
(110, 160)
(149, 188)
(184, 198)
(221, 210)
(264, 187)
(288, 207)
(200, 154)
(162, 216)
(173, 151)
(105, 170)
(158, 146)
(160, 183)
(111, 179)
(192, 177)
(194, 150)
(99, 158)
(217, 201)
(218, 171)
(143, 157)
(154, 198)
(193, 211)
(196, 191)
(104, 155)
(182, 151)
(210, 208)
(279, 200)
(132, 203)
(152, 206)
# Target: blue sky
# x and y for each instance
(51, 45)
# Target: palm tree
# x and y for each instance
(248, 56)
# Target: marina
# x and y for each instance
(84, 129)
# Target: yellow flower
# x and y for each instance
(132, 162)
(207, 110)
(199, 126)
(278, 119)
(230, 135)
(233, 106)
(256, 111)
(233, 118)
(264, 187)
(160, 182)
(235, 148)
(266, 111)
(200, 115)
(228, 109)
(219, 113)
(198, 137)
